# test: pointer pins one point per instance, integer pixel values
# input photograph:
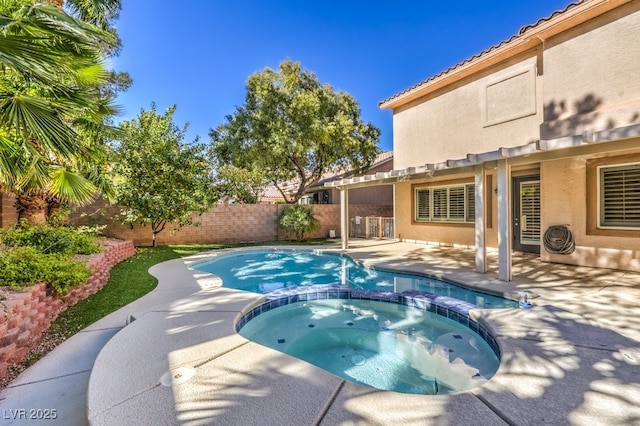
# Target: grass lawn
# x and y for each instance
(128, 281)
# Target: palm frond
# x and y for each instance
(32, 117)
(33, 174)
(9, 168)
(71, 187)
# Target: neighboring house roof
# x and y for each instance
(271, 192)
(291, 187)
(528, 37)
(380, 159)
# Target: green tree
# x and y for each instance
(240, 185)
(53, 110)
(159, 178)
(294, 129)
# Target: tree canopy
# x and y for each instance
(159, 178)
(237, 185)
(294, 129)
(55, 100)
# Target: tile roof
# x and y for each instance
(332, 175)
(523, 30)
(380, 159)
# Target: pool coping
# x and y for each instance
(507, 397)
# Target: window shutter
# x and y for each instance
(530, 212)
(620, 196)
(471, 203)
(439, 204)
(422, 204)
(456, 203)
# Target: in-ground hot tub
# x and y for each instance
(410, 342)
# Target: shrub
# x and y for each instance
(22, 267)
(298, 221)
(49, 239)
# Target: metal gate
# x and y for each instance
(372, 227)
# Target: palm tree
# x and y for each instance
(97, 12)
(50, 105)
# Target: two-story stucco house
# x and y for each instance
(532, 145)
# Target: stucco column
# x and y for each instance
(395, 216)
(504, 220)
(481, 247)
(344, 217)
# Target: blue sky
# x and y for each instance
(198, 54)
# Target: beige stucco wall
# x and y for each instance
(591, 75)
(446, 234)
(566, 204)
(461, 120)
(586, 80)
(407, 230)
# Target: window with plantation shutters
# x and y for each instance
(620, 196)
(451, 203)
(530, 212)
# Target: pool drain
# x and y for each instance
(358, 359)
(177, 376)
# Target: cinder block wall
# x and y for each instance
(224, 223)
(8, 212)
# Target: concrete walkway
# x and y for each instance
(574, 359)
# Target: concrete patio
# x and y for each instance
(574, 359)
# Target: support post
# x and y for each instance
(480, 228)
(395, 236)
(504, 220)
(344, 217)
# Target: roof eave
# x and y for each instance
(524, 153)
(529, 39)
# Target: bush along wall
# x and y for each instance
(24, 316)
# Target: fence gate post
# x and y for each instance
(366, 226)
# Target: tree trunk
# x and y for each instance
(32, 207)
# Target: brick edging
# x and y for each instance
(26, 315)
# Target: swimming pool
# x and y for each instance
(262, 271)
(401, 345)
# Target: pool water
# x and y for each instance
(384, 345)
(262, 271)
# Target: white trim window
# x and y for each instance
(450, 203)
(619, 196)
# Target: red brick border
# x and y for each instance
(24, 316)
